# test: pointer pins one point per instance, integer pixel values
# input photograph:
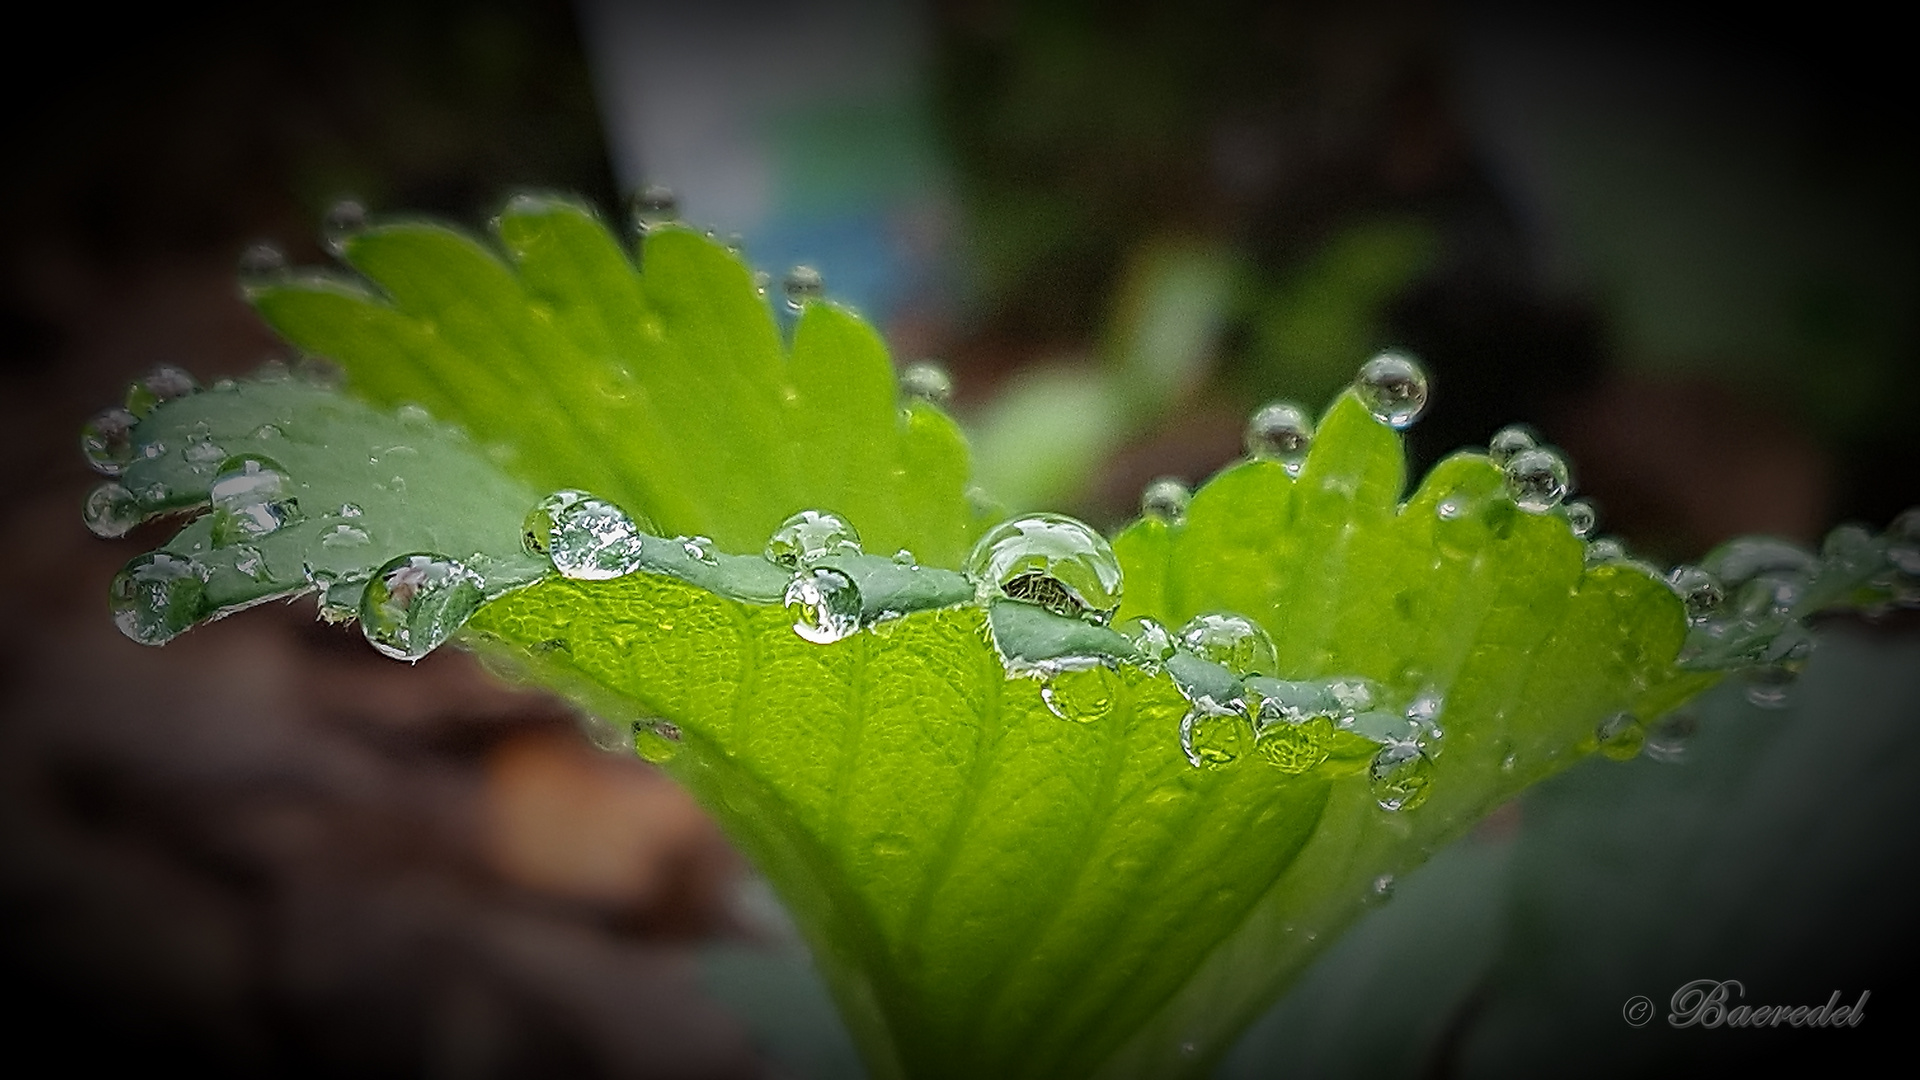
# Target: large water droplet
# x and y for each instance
(1232, 641)
(653, 205)
(809, 536)
(342, 222)
(1401, 775)
(157, 596)
(1051, 561)
(825, 605)
(1581, 517)
(1280, 431)
(416, 602)
(1165, 500)
(1393, 387)
(107, 441)
(1620, 736)
(588, 539)
(110, 511)
(251, 498)
(1213, 737)
(1293, 745)
(927, 381)
(1081, 694)
(1537, 480)
(1509, 441)
(1699, 590)
(802, 286)
(163, 383)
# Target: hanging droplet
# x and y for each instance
(251, 497)
(1699, 591)
(802, 286)
(110, 511)
(157, 596)
(1280, 431)
(1581, 517)
(1620, 736)
(1605, 550)
(1401, 775)
(262, 264)
(107, 441)
(163, 383)
(809, 536)
(927, 381)
(825, 605)
(1393, 387)
(654, 205)
(1293, 746)
(588, 539)
(1213, 737)
(1152, 641)
(1051, 561)
(416, 602)
(1233, 641)
(1082, 695)
(1537, 480)
(1165, 500)
(343, 221)
(1509, 441)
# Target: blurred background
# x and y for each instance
(1684, 250)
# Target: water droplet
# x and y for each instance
(1903, 542)
(1620, 736)
(163, 383)
(249, 561)
(268, 432)
(319, 371)
(905, 558)
(416, 602)
(1280, 431)
(802, 286)
(345, 536)
(1293, 745)
(1669, 737)
(349, 510)
(809, 536)
(107, 441)
(1165, 500)
(1605, 550)
(110, 511)
(1770, 687)
(1509, 441)
(653, 205)
(1383, 886)
(343, 221)
(1081, 694)
(1051, 561)
(157, 596)
(1232, 641)
(1151, 640)
(1393, 387)
(1699, 590)
(1401, 775)
(1581, 517)
(1213, 737)
(825, 605)
(262, 264)
(587, 539)
(250, 497)
(201, 452)
(927, 381)
(699, 549)
(413, 416)
(1537, 480)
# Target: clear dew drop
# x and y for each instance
(1667, 741)
(416, 602)
(1051, 561)
(825, 605)
(343, 221)
(1082, 694)
(1537, 480)
(251, 497)
(654, 205)
(157, 596)
(1770, 686)
(809, 536)
(107, 441)
(1620, 736)
(1232, 641)
(201, 453)
(1903, 542)
(1293, 745)
(927, 381)
(1151, 641)
(268, 432)
(262, 263)
(163, 383)
(110, 511)
(802, 286)
(699, 549)
(1165, 500)
(1581, 517)
(1393, 387)
(1699, 590)
(586, 538)
(1510, 441)
(1605, 550)
(348, 510)
(251, 562)
(1213, 737)
(344, 536)
(1280, 431)
(1401, 775)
